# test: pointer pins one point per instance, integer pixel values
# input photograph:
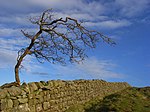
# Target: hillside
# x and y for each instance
(129, 100)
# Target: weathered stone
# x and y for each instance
(44, 83)
(54, 96)
(25, 88)
(31, 102)
(32, 87)
(16, 103)
(3, 104)
(24, 85)
(23, 100)
(46, 88)
(23, 108)
(32, 108)
(46, 105)
(24, 93)
(39, 85)
(13, 98)
(10, 103)
(6, 104)
(39, 108)
(40, 98)
(24, 96)
(3, 93)
(14, 91)
(50, 83)
(31, 96)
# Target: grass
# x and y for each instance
(129, 100)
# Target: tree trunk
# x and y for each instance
(17, 75)
(19, 61)
(18, 65)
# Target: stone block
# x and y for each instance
(46, 105)
(39, 108)
(3, 93)
(23, 108)
(32, 87)
(23, 100)
(6, 104)
(14, 91)
(16, 103)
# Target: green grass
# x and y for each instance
(129, 100)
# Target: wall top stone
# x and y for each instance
(34, 86)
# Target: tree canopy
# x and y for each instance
(58, 40)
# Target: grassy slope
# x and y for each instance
(129, 100)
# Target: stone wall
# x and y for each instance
(54, 96)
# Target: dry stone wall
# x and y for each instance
(54, 95)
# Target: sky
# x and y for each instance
(125, 21)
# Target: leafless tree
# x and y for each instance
(58, 41)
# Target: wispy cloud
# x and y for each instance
(132, 8)
(125, 8)
(92, 68)
(8, 51)
(7, 59)
(74, 5)
(9, 32)
(110, 24)
(8, 56)
(31, 66)
(18, 20)
(40, 73)
(95, 13)
(12, 44)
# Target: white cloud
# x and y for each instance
(81, 16)
(18, 20)
(75, 5)
(75, 8)
(15, 34)
(8, 55)
(132, 8)
(70, 7)
(95, 13)
(9, 32)
(8, 51)
(55, 3)
(109, 24)
(7, 58)
(127, 8)
(146, 20)
(92, 68)
(30, 65)
(12, 44)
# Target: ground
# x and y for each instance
(129, 100)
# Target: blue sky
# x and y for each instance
(126, 21)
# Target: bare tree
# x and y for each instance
(58, 41)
